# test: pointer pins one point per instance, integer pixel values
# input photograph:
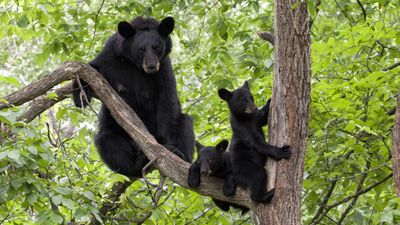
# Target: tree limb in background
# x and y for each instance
(267, 36)
(396, 148)
(42, 103)
(166, 162)
(392, 66)
(355, 195)
(363, 10)
(112, 201)
(359, 188)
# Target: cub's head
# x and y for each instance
(240, 101)
(211, 158)
(146, 41)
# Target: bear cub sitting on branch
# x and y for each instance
(135, 62)
(213, 161)
(249, 150)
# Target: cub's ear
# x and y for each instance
(126, 30)
(222, 145)
(246, 85)
(166, 26)
(199, 146)
(225, 94)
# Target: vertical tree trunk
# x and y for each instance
(289, 113)
(396, 148)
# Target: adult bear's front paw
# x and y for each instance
(176, 151)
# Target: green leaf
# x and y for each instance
(23, 22)
(63, 190)
(68, 203)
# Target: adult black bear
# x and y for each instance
(213, 161)
(135, 62)
(248, 149)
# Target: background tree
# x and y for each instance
(347, 176)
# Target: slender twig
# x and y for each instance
(355, 198)
(144, 171)
(392, 66)
(95, 27)
(324, 201)
(363, 10)
(201, 215)
(8, 213)
(83, 96)
(361, 192)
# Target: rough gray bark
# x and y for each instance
(289, 112)
(166, 162)
(396, 148)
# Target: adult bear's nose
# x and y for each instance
(152, 67)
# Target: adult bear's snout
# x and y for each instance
(151, 64)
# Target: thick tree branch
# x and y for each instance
(167, 163)
(396, 148)
(42, 103)
(267, 36)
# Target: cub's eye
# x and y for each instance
(141, 49)
(155, 47)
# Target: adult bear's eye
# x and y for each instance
(141, 49)
(155, 47)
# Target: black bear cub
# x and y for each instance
(213, 161)
(135, 62)
(248, 149)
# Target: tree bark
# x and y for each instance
(289, 112)
(396, 148)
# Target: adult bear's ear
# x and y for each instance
(126, 30)
(246, 85)
(225, 94)
(166, 26)
(199, 146)
(222, 145)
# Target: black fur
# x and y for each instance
(213, 161)
(135, 62)
(249, 150)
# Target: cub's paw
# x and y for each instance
(281, 153)
(176, 151)
(224, 206)
(229, 189)
(268, 196)
(286, 152)
(268, 103)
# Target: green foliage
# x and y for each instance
(52, 174)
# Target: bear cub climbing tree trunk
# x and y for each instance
(289, 112)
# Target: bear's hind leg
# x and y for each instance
(257, 188)
(186, 137)
(119, 153)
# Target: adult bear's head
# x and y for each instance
(146, 41)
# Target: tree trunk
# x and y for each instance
(396, 148)
(289, 112)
